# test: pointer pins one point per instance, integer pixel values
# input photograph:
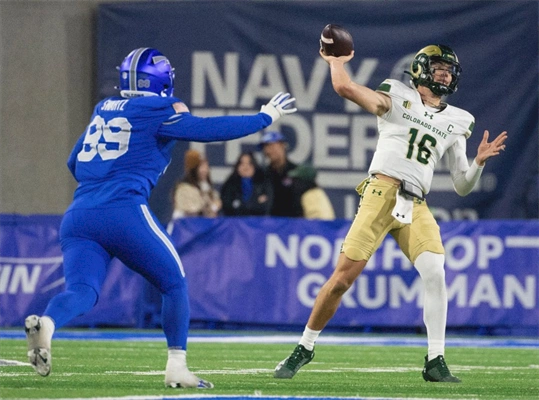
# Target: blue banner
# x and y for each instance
(268, 271)
(31, 274)
(231, 57)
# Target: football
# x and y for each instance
(336, 41)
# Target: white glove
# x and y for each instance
(276, 106)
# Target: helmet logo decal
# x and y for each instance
(133, 68)
(158, 59)
(143, 83)
(431, 50)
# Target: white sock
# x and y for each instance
(46, 320)
(308, 338)
(179, 356)
(436, 348)
(431, 268)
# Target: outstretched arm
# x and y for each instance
(464, 176)
(368, 99)
(184, 126)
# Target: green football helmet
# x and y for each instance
(421, 70)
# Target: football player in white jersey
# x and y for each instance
(416, 129)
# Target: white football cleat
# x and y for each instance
(179, 376)
(39, 336)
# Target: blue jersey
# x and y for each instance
(127, 145)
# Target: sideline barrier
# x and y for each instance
(267, 271)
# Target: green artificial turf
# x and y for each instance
(117, 369)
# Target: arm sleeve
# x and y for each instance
(72, 160)
(464, 176)
(185, 126)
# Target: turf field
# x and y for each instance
(114, 368)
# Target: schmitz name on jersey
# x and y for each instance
(114, 105)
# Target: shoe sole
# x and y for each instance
(283, 373)
(40, 358)
(452, 379)
(202, 384)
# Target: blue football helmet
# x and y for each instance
(421, 70)
(145, 71)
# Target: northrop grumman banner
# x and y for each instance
(269, 270)
(232, 56)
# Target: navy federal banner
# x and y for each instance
(233, 56)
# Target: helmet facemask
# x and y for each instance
(422, 71)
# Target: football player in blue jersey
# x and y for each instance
(117, 161)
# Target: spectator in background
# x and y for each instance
(285, 201)
(195, 195)
(314, 200)
(247, 191)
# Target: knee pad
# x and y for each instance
(431, 268)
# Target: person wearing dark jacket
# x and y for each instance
(247, 191)
(286, 201)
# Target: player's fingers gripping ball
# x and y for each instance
(336, 41)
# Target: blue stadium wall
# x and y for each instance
(232, 56)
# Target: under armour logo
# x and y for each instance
(429, 115)
(401, 215)
(379, 192)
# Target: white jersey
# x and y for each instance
(413, 137)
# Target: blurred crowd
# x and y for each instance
(280, 188)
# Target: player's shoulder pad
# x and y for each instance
(180, 107)
(471, 125)
(462, 117)
(181, 112)
(393, 87)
